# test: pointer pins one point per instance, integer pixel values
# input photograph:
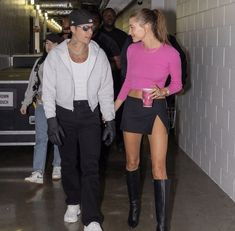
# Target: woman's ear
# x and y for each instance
(72, 28)
(147, 27)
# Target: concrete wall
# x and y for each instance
(206, 111)
(170, 13)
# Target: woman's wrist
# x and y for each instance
(164, 91)
(117, 104)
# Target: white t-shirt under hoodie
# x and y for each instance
(80, 77)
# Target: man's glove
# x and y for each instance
(109, 132)
(55, 131)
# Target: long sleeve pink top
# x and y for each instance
(150, 67)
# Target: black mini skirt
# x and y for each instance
(139, 119)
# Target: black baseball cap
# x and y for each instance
(55, 38)
(80, 16)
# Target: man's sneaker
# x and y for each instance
(36, 177)
(93, 226)
(56, 173)
(71, 214)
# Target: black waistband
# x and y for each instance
(79, 103)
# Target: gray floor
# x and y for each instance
(197, 203)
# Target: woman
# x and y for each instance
(33, 93)
(150, 60)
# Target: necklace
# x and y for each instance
(77, 53)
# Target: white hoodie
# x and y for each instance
(58, 83)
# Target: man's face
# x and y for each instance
(83, 33)
(109, 18)
(66, 27)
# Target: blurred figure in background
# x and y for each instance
(66, 32)
(109, 17)
(108, 44)
(112, 51)
(34, 93)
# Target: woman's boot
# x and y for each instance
(133, 186)
(162, 198)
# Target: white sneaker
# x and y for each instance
(36, 177)
(56, 173)
(93, 226)
(71, 214)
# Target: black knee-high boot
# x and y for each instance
(162, 197)
(133, 186)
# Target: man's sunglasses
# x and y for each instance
(86, 27)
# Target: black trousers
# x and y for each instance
(80, 155)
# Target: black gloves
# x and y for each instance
(54, 131)
(109, 132)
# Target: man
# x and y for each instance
(109, 18)
(77, 77)
(66, 33)
(112, 51)
(108, 44)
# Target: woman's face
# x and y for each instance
(136, 30)
(49, 45)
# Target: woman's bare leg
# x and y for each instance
(158, 147)
(132, 146)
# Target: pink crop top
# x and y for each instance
(148, 68)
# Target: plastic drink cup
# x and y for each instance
(146, 96)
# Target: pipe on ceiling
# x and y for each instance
(103, 4)
(91, 2)
(57, 4)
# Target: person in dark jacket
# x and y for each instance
(109, 17)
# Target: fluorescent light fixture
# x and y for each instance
(32, 2)
(38, 7)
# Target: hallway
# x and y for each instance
(198, 203)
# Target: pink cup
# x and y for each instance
(147, 100)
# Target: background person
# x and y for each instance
(77, 79)
(108, 44)
(34, 91)
(150, 61)
(66, 33)
(109, 17)
(108, 27)
(112, 51)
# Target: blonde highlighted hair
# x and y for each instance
(156, 19)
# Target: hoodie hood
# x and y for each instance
(62, 51)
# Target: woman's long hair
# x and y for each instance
(157, 21)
